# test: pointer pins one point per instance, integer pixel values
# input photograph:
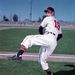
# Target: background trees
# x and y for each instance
(5, 18)
(15, 18)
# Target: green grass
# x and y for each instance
(10, 40)
(33, 68)
(67, 44)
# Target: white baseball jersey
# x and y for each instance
(51, 25)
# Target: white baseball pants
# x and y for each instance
(48, 44)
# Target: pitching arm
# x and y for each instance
(41, 30)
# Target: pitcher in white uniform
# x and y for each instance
(47, 40)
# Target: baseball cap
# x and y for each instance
(49, 9)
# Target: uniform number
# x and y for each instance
(57, 25)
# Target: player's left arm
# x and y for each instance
(41, 30)
(42, 26)
(59, 36)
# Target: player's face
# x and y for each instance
(49, 13)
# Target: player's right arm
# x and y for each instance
(42, 26)
(59, 36)
(41, 30)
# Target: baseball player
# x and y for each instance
(47, 40)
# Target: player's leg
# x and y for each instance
(42, 59)
(22, 49)
(28, 42)
(44, 53)
(32, 40)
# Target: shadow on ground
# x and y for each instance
(69, 72)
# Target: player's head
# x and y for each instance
(50, 11)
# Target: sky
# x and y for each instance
(64, 9)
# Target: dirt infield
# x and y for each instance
(3, 28)
(34, 57)
(71, 27)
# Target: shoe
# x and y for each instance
(14, 58)
(50, 74)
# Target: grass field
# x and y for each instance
(33, 68)
(10, 40)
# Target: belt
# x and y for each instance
(51, 33)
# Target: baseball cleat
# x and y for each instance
(50, 74)
(14, 58)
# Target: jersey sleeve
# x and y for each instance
(43, 23)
